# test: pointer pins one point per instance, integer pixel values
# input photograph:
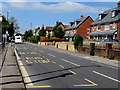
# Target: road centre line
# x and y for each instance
(70, 62)
(71, 71)
(51, 55)
(61, 66)
(41, 51)
(106, 76)
(53, 62)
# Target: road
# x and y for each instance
(47, 67)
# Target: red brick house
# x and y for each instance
(107, 25)
(50, 30)
(36, 31)
(80, 26)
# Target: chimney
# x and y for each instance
(81, 16)
(118, 4)
(57, 22)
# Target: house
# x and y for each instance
(107, 25)
(80, 26)
(36, 31)
(50, 30)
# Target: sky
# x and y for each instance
(39, 12)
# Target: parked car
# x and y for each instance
(110, 40)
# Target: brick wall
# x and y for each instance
(118, 28)
(82, 29)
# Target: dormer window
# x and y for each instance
(100, 17)
(113, 13)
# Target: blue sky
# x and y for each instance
(47, 13)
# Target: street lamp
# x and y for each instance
(8, 14)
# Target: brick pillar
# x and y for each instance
(118, 33)
(108, 46)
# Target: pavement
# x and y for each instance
(10, 76)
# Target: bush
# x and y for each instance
(34, 39)
(77, 40)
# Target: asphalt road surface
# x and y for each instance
(49, 68)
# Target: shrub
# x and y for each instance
(77, 40)
(34, 39)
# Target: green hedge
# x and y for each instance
(34, 39)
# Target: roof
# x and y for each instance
(49, 28)
(81, 20)
(108, 18)
(66, 26)
(109, 32)
(69, 35)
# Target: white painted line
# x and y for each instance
(71, 71)
(70, 62)
(51, 55)
(106, 76)
(41, 51)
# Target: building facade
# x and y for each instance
(80, 26)
(107, 25)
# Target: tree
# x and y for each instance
(27, 34)
(42, 32)
(77, 40)
(59, 32)
(15, 25)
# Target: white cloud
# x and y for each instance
(58, 7)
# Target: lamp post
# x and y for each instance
(8, 14)
(7, 30)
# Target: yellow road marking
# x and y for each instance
(30, 86)
(71, 71)
(91, 83)
(53, 62)
(39, 61)
(35, 61)
(27, 58)
(61, 66)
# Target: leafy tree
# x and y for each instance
(59, 32)
(14, 21)
(77, 40)
(34, 39)
(5, 25)
(27, 34)
(42, 32)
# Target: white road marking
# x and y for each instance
(51, 55)
(70, 62)
(41, 51)
(71, 71)
(106, 76)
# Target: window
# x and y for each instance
(98, 27)
(113, 13)
(113, 25)
(107, 26)
(100, 17)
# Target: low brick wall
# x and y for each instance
(43, 43)
(62, 46)
(71, 48)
